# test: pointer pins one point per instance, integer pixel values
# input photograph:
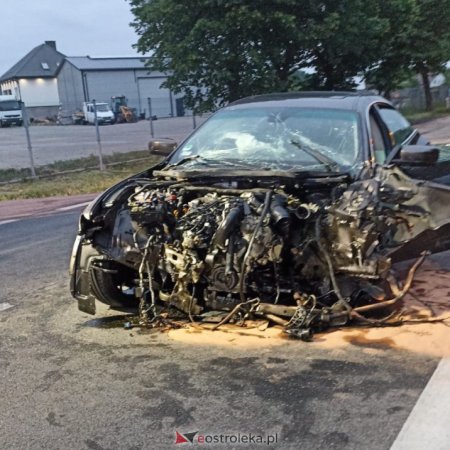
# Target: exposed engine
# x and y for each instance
(303, 258)
(226, 247)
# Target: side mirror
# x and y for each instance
(419, 155)
(162, 146)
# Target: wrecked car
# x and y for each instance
(292, 208)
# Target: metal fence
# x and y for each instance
(39, 145)
(414, 98)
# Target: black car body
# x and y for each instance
(291, 207)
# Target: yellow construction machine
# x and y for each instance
(121, 110)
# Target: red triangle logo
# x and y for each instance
(180, 439)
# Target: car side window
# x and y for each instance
(378, 143)
(399, 127)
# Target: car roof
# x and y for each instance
(357, 101)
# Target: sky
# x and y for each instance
(79, 27)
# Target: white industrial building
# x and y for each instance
(34, 79)
(46, 80)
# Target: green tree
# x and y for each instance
(216, 51)
(430, 41)
(343, 40)
(415, 40)
(391, 63)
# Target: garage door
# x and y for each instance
(161, 98)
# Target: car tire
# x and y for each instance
(106, 288)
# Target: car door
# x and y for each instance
(422, 209)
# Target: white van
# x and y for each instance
(10, 111)
(104, 113)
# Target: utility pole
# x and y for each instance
(152, 131)
(27, 132)
(99, 142)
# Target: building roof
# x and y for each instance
(44, 61)
(119, 63)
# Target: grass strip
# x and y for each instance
(88, 162)
(416, 117)
(81, 177)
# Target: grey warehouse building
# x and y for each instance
(46, 80)
(84, 78)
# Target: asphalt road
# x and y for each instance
(69, 380)
(52, 143)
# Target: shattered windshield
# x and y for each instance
(274, 138)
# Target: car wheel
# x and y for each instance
(107, 287)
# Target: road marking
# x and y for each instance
(4, 222)
(428, 425)
(68, 208)
(25, 247)
(5, 306)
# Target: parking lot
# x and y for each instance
(57, 142)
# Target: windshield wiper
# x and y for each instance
(185, 160)
(331, 164)
(247, 164)
(210, 162)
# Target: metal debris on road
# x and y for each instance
(5, 306)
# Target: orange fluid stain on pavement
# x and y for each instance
(425, 338)
(226, 335)
(427, 302)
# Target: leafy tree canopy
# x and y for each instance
(216, 51)
(416, 40)
(429, 45)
